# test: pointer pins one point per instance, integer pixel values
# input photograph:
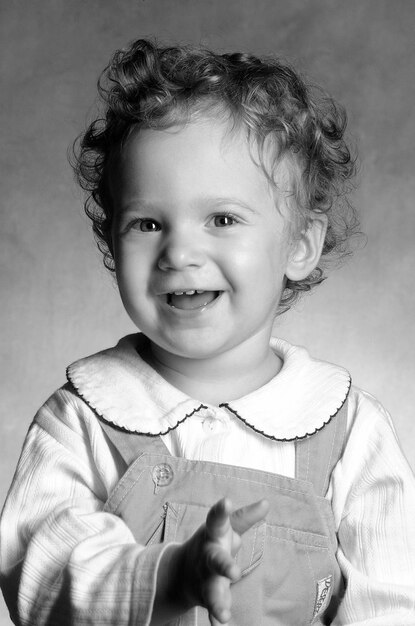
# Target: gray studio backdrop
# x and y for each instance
(59, 304)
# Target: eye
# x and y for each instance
(224, 219)
(146, 225)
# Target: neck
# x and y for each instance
(221, 378)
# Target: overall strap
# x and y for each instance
(131, 445)
(317, 455)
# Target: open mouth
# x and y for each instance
(192, 299)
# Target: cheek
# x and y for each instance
(260, 258)
(129, 270)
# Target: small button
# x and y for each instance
(162, 474)
(209, 424)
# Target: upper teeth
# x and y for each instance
(188, 293)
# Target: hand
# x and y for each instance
(208, 561)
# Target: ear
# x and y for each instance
(306, 248)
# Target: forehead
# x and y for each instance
(202, 156)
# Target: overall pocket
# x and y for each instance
(299, 572)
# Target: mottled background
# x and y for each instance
(58, 302)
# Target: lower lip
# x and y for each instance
(193, 312)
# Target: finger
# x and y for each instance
(219, 600)
(214, 622)
(217, 520)
(242, 519)
(221, 562)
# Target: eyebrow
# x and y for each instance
(219, 201)
(136, 204)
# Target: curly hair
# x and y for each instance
(148, 86)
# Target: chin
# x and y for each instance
(194, 347)
(196, 352)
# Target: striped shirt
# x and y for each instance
(66, 561)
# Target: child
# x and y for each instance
(203, 471)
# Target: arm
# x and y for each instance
(63, 560)
(373, 497)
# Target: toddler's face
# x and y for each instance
(200, 248)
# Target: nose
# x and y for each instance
(180, 251)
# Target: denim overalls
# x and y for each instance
(290, 576)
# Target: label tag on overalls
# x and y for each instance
(322, 595)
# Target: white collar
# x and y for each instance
(124, 390)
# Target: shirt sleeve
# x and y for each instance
(373, 499)
(63, 559)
